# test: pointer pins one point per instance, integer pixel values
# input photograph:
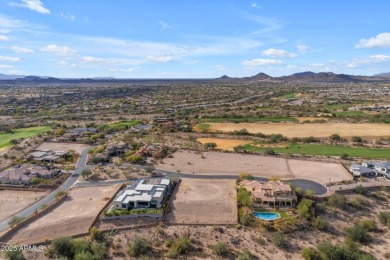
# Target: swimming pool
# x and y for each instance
(267, 215)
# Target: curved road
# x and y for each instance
(51, 197)
(71, 181)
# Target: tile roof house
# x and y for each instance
(22, 175)
(273, 193)
(143, 194)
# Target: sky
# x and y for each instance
(193, 38)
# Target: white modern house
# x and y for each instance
(358, 170)
(371, 169)
(143, 194)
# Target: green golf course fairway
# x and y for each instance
(19, 133)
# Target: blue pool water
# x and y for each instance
(266, 215)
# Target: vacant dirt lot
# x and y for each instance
(11, 201)
(306, 130)
(204, 202)
(261, 166)
(73, 216)
(224, 144)
(62, 147)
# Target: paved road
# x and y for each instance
(51, 197)
(317, 188)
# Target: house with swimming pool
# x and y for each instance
(271, 194)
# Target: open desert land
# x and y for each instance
(13, 201)
(260, 166)
(204, 202)
(73, 216)
(224, 144)
(62, 147)
(305, 130)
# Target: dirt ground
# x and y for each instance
(204, 202)
(261, 166)
(305, 130)
(12, 201)
(62, 147)
(224, 144)
(73, 216)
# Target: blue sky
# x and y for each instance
(192, 39)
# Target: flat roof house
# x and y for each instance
(358, 170)
(143, 194)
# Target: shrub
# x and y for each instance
(62, 246)
(136, 159)
(319, 223)
(245, 254)
(304, 207)
(384, 218)
(246, 176)
(368, 224)
(210, 146)
(86, 173)
(99, 250)
(60, 194)
(361, 190)
(96, 234)
(355, 202)
(86, 255)
(278, 239)
(14, 255)
(15, 220)
(357, 233)
(138, 247)
(79, 245)
(269, 151)
(337, 200)
(179, 247)
(244, 197)
(220, 249)
(335, 137)
(239, 149)
(246, 219)
(344, 156)
(357, 139)
(309, 253)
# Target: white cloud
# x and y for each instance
(67, 16)
(163, 58)
(3, 38)
(274, 53)
(261, 62)
(130, 70)
(13, 59)
(6, 66)
(35, 5)
(67, 64)
(164, 25)
(255, 5)
(21, 50)
(59, 50)
(381, 40)
(91, 59)
(379, 59)
(220, 68)
(303, 48)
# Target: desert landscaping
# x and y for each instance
(204, 202)
(256, 165)
(304, 130)
(13, 201)
(78, 148)
(78, 212)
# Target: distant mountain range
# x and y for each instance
(309, 76)
(306, 76)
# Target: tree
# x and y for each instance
(96, 234)
(79, 245)
(246, 176)
(309, 253)
(210, 146)
(337, 200)
(245, 254)
(335, 137)
(138, 247)
(244, 197)
(62, 246)
(319, 223)
(278, 239)
(220, 249)
(269, 151)
(304, 207)
(357, 139)
(239, 149)
(86, 173)
(357, 233)
(344, 156)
